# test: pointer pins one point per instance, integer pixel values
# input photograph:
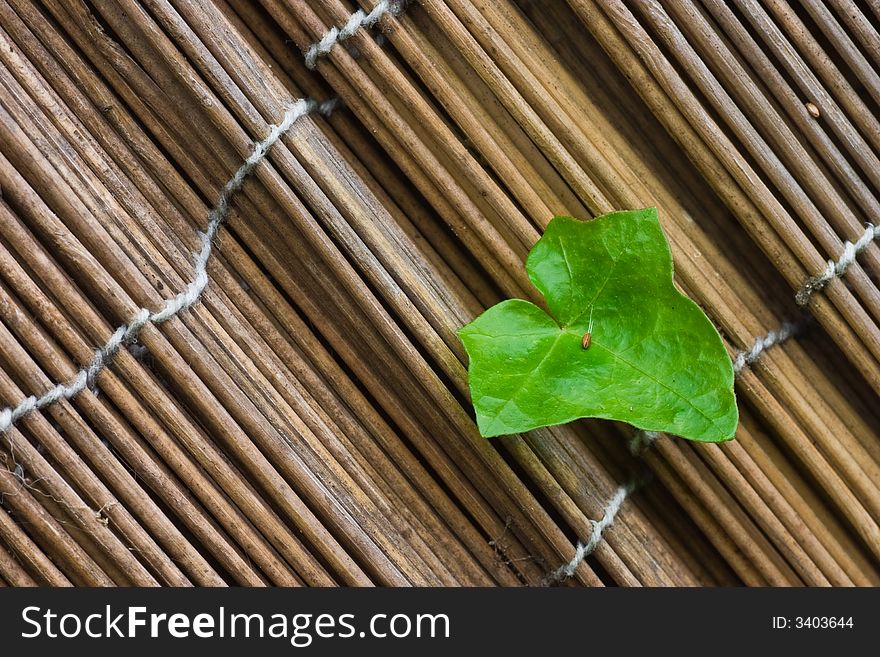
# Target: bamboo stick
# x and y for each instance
(318, 385)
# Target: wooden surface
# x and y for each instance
(307, 422)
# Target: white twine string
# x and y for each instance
(126, 333)
(583, 550)
(642, 440)
(763, 343)
(835, 269)
(355, 22)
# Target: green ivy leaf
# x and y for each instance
(654, 359)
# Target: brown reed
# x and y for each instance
(307, 422)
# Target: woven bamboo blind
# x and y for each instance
(303, 419)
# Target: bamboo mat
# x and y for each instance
(275, 394)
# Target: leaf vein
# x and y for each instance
(659, 382)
